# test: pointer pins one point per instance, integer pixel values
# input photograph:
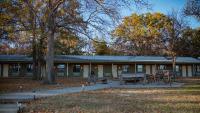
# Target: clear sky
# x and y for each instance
(164, 6)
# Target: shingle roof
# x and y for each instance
(82, 58)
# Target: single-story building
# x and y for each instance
(103, 66)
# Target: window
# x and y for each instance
(177, 68)
(14, 68)
(139, 68)
(29, 68)
(162, 67)
(61, 67)
(77, 68)
(125, 68)
(198, 68)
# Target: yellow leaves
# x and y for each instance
(144, 25)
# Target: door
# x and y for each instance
(114, 71)
(189, 71)
(153, 69)
(184, 74)
(148, 71)
(5, 70)
(85, 71)
(100, 71)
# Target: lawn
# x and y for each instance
(27, 84)
(154, 100)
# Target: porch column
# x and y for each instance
(90, 69)
(0, 70)
(67, 69)
(193, 71)
(135, 68)
(5, 70)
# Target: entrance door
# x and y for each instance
(148, 71)
(153, 69)
(100, 71)
(85, 71)
(114, 71)
(184, 74)
(189, 71)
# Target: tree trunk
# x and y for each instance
(34, 60)
(50, 58)
(174, 66)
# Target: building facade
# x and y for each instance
(102, 66)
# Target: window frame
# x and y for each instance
(140, 70)
(75, 69)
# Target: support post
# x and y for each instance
(135, 68)
(90, 69)
(67, 67)
(193, 71)
(0, 70)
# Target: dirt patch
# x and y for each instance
(27, 84)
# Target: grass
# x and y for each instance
(154, 100)
(27, 84)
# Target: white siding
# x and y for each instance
(85, 71)
(5, 70)
(100, 71)
(148, 71)
(184, 74)
(114, 71)
(189, 71)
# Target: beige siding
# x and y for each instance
(148, 71)
(100, 71)
(189, 71)
(184, 74)
(5, 70)
(114, 71)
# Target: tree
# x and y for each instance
(172, 35)
(189, 43)
(141, 34)
(101, 47)
(45, 19)
(192, 8)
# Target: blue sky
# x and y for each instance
(164, 6)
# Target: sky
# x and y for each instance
(164, 6)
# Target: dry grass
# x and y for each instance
(27, 84)
(154, 100)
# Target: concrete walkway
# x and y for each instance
(24, 96)
(28, 96)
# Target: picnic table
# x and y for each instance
(131, 76)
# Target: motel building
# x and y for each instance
(102, 66)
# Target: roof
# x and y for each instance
(102, 59)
